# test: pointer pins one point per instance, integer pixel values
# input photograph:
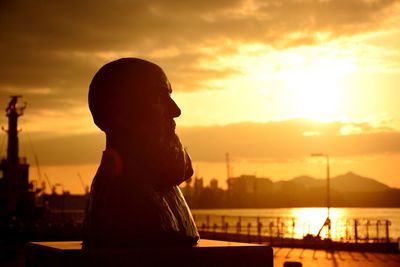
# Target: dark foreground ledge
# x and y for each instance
(206, 253)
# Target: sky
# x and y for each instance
(269, 82)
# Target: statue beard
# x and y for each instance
(164, 157)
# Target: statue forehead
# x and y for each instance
(151, 83)
(143, 74)
(134, 67)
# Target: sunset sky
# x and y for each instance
(270, 82)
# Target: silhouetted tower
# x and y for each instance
(13, 112)
(14, 180)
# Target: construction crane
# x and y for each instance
(48, 180)
(84, 186)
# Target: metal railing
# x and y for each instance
(357, 230)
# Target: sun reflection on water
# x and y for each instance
(310, 221)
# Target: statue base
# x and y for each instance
(206, 253)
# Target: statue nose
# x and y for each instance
(174, 109)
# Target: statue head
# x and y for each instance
(131, 96)
(130, 100)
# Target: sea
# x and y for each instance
(371, 222)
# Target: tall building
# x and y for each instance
(249, 185)
(214, 184)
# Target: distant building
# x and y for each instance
(198, 186)
(249, 185)
(248, 191)
(214, 184)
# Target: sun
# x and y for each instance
(314, 94)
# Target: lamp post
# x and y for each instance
(328, 197)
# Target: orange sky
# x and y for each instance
(267, 81)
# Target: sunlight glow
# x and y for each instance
(309, 83)
(315, 91)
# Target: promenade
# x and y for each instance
(322, 258)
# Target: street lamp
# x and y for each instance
(328, 197)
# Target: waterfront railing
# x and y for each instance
(357, 230)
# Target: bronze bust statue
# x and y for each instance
(135, 199)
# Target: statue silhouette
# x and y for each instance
(135, 199)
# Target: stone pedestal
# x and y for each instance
(207, 253)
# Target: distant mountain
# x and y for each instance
(304, 181)
(352, 182)
(349, 182)
(308, 181)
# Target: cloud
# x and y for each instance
(257, 142)
(51, 49)
(285, 140)
(62, 150)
